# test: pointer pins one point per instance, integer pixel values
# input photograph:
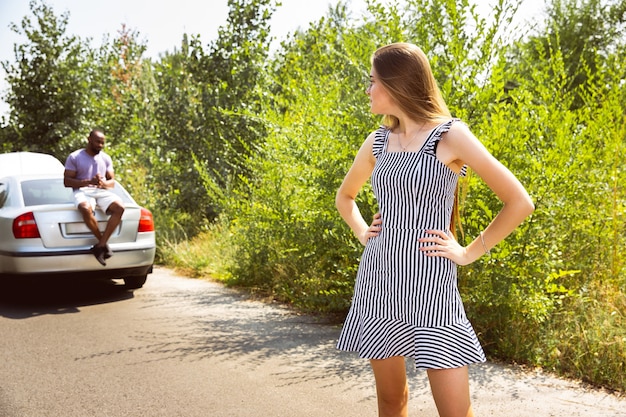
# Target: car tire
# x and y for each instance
(135, 282)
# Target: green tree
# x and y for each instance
(48, 84)
(122, 92)
(281, 221)
(121, 102)
(218, 89)
(179, 121)
(584, 32)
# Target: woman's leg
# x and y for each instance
(450, 389)
(392, 389)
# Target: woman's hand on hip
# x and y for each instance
(443, 245)
(373, 230)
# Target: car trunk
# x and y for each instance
(63, 226)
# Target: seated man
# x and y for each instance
(89, 172)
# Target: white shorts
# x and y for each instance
(96, 197)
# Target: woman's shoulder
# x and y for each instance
(377, 136)
(460, 138)
(455, 127)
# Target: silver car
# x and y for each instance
(43, 234)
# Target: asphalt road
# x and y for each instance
(184, 347)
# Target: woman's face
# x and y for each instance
(380, 100)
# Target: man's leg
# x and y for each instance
(90, 220)
(115, 211)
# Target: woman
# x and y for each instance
(406, 301)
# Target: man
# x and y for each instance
(89, 172)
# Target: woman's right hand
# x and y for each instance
(373, 230)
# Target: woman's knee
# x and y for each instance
(391, 386)
(393, 403)
(450, 388)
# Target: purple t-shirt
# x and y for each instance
(87, 166)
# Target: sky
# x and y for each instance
(162, 23)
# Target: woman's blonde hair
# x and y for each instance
(403, 69)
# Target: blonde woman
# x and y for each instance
(406, 301)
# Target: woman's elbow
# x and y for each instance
(529, 206)
(338, 200)
(342, 200)
(521, 204)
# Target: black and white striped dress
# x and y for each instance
(405, 303)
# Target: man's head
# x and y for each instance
(95, 141)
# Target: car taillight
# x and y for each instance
(25, 227)
(146, 223)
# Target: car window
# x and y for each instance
(53, 191)
(3, 194)
(48, 191)
(123, 194)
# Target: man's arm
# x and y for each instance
(70, 180)
(108, 182)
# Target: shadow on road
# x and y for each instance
(210, 322)
(24, 298)
(207, 322)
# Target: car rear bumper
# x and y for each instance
(78, 262)
(85, 275)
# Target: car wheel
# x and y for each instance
(135, 282)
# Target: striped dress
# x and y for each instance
(406, 303)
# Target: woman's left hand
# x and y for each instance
(443, 245)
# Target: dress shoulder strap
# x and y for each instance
(430, 148)
(444, 128)
(380, 141)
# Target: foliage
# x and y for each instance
(215, 92)
(48, 84)
(584, 32)
(281, 222)
(550, 258)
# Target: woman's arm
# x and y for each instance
(459, 146)
(358, 175)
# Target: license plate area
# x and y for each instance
(79, 229)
